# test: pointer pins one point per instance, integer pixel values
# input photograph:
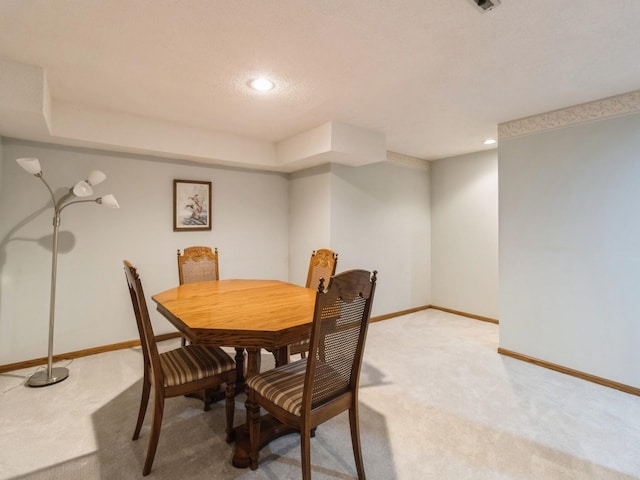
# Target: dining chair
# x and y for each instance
(198, 264)
(306, 393)
(322, 264)
(181, 371)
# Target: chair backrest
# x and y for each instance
(338, 334)
(147, 338)
(198, 264)
(322, 264)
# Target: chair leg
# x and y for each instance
(355, 441)
(253, 420)
(158, 410)
(206, 400)
(239, 358)
(230, 407)
(144, 401)
(305, 451)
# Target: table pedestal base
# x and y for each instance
(270, 429)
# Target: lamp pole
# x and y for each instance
(54, 375)
(57, 374)
(81, 189)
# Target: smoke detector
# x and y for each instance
(485, 5)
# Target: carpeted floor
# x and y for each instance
(437, 402)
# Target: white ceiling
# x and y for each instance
(424, 78)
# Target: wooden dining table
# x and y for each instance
(244, 314)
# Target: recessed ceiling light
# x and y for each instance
(261, 84)
(489, 141)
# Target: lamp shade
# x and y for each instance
(82, 189)
(31, 165)
(96, 177)
(108, 201)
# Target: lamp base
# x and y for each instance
(41, 379)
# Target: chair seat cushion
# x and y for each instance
(193, 362)
(282, 386)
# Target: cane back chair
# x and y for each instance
(198, 264)
(322, 264)
(308, 392)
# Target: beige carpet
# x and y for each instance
(437, 402)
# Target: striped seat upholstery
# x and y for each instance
(284, 386)
(192, 363)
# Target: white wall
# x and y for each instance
(309, 218)
(265, 225)
(464, 233)
(380, 220)
(376, 217)
(250, 228)
(569, 239)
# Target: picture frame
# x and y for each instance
(191, 205)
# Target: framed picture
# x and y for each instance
(191, 205)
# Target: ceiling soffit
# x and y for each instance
(25, 101)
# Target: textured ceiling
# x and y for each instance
(432, 77)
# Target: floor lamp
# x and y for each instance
(83, 188)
